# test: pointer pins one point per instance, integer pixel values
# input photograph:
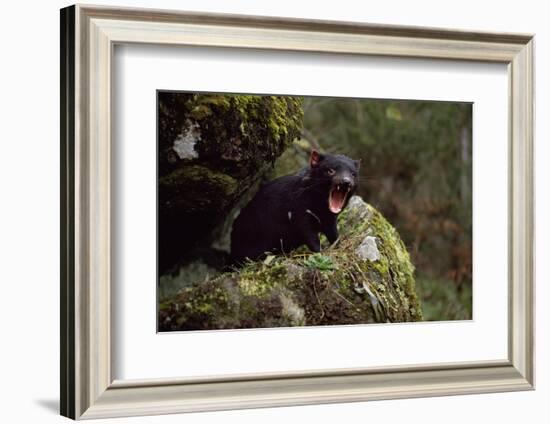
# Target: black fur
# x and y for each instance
(291, 211)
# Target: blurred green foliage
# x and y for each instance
(416, 168)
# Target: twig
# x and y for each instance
(333, 245)
(352, 277)
(308, 135)
(317, 296)
(341, 296)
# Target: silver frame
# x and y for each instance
(88, 390)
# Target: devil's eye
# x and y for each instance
(331, 172)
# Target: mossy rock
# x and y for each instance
(365, 277)
(213, 149)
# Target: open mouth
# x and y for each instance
(337, 198)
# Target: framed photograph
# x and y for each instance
(266, 212)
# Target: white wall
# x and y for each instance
(29, 223)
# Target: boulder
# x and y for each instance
(365, 277)
(212, 150)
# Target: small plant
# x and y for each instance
(320, 262)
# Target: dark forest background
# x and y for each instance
(417, 170)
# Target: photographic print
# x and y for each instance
(286, 211)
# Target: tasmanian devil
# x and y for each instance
(291, 211)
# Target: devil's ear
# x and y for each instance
(357, 164)
(315, 158)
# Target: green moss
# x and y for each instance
(198, 173)
(259, 279)
(196, 188)
(244, 129)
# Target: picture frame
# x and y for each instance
(88, 389)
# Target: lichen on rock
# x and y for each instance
(184, 144)
(340, 285)
(368, 250)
